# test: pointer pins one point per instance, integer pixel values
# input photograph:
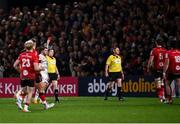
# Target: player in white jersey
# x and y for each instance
(44, 64)
(44, 78)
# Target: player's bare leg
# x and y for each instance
(42, 87)
(30, 91)
(178, 86)
(35, 100)
(168, 92)
(19, 95)
(163, 89)
(160, 89)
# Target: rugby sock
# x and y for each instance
(26, 106)
(42, 97)
(119, 92)
(107, 92)
(56, 94)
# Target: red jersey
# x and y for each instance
(159, 57)
(27, 60)
(174, 61)
(36, 54)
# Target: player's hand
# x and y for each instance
(58, 77)
(106, 74)
(41, 68)
(122, 76)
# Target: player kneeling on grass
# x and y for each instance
(42, 85)
(113, 71)
(171, 70)
(27, 65)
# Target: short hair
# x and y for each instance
(42, 48)
(28, 45)
(159, 41)
(50, 49)
(34, 39)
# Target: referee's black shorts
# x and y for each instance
(52, 76)
(113, 76)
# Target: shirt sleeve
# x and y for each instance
(35, 57)
(108, 62)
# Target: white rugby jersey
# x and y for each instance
(43, 61)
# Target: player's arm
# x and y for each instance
(122, 70)
(106, 70)
(57, 72)
(166, 65)
(150, 61)
(16, 65)
(122, 75)
(37, 67)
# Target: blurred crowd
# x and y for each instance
(83, 33)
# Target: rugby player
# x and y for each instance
(156, 63)
(171, 70)
(27, 65)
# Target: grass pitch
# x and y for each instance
(93, 110)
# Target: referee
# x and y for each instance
(114, 72)
(53, 72)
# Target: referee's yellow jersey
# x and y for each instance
(114, 63)
(51, 64)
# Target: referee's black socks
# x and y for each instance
(56, 95)
(119, 93)
(107, 93)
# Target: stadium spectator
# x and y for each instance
(1, 70)
(90, 29)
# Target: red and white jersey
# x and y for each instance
(174, 61)
(27, 60)
(44, 74)
(159, 57)
(43, 61)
